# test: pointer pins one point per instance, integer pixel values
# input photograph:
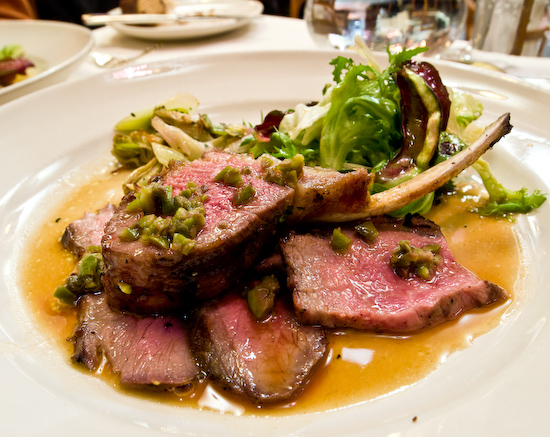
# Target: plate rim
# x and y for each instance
(215, 58)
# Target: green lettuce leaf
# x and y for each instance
(465, 109)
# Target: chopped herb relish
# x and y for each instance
(285, 173)
(170, 222)
(85, 280)
(408, 260)
(261, 298)
(244, 195)
(232, 176)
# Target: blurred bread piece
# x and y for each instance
(144, 6)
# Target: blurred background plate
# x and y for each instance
(54, 47)
(197, 28)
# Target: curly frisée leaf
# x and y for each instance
(305, 123)
(363, 124)
(503, 201)
(357, 121)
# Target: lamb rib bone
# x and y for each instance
(430, 180)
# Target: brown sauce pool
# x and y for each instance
(360, 366)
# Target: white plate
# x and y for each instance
(195, 28)
(55, 48)
(498, 386)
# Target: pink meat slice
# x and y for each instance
(263, 360)
(150, 351)
(164, 279)
(87, 231)
(359, 289)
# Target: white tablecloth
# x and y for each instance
(276, 33)
(263, 33)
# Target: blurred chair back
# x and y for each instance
(516, 27)
(18, 9)
(536, 38)
(295, 9)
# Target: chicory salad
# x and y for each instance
(396, 122)
(170, 250)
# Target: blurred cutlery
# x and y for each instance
(106, 60)
(99, 19)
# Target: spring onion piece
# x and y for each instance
(261, 298)
(286, 172)
(367, 230)
(229, 176)
(339, 242)
(85, 280)
(64, 295)
(244, 195)
(178, 139)
(182, 102)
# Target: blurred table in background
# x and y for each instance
(265, 33)
(276, 33)
(272, 33)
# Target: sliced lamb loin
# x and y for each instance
(264, 360)
(360, 289)
(148, 351)
(165, 279)
(87, 231)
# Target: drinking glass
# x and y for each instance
(381, 23)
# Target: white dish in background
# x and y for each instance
(500, 385)
(195, 28)
(56, 49)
